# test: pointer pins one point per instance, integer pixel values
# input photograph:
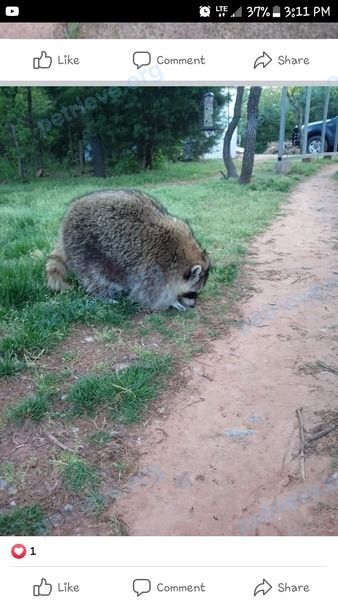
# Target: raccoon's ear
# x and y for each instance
(195, 272)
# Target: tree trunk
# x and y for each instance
(71, 146)
(250, 136)
(21, 166)
(148, 156)
(81, 157)
(37, 152)
(298, 108)
(30, 112)
(98, 156)
(228, 162)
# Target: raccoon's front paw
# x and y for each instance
(179, 305)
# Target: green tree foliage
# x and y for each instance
(269, 117)
(297, 95)
(120, 129)
(269, 112)
(20, 140)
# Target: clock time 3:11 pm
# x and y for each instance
(306, 11)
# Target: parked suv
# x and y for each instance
(314, 134)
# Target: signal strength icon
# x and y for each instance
(238, 14)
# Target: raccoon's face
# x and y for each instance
(195, 280)
(188, 300)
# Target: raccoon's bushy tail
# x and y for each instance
(56, 269)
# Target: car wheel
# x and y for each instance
(314, 143)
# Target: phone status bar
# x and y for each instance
(197, 11)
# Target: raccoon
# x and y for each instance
(124, 242)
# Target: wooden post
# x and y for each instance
(325, 111)
(306, 120)
(283, 109)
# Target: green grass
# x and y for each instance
(73, 30)
(107, 336)
(78, 475)
(36, 407)
(28, 408)
(97, 503)
(224, 215)
(125, 393)
(13, 473)
(9, 472)
(22, 521)
(175, 329)
(38, 327)
(118, 528)
(99, 438)
(9, 365)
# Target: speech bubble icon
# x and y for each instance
(141, 586)
(141, 59)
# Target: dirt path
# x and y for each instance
(170, 30)
(223, 462)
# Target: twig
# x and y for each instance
(165, 435)
(320, 434)
(326, 367)
(196, 401)
(201, 362)
(21, 445)
(297, 279)
(60, 444)
(207, 377)
(18, 448)
(252, 324)
(162, 431)
(299, 413)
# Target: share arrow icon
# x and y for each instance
(264, 60)
(263, 587)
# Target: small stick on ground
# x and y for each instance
(60, 444)
(206, 376)
(297, 279)
(196, 401)
(324, 367)
(22, 444)
(165, 435)
(321, 433)
(299, 413)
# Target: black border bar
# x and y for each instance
(166, 11)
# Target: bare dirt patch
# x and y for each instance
(33, 30)
(169, 30)
(31, 451)
(225, 459)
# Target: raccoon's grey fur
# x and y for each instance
(123, 241)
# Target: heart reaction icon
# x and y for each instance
(19, 551)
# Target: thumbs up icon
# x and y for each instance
(44, 589)
(42, 62)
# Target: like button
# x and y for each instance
(44, 589)
(42, 62)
